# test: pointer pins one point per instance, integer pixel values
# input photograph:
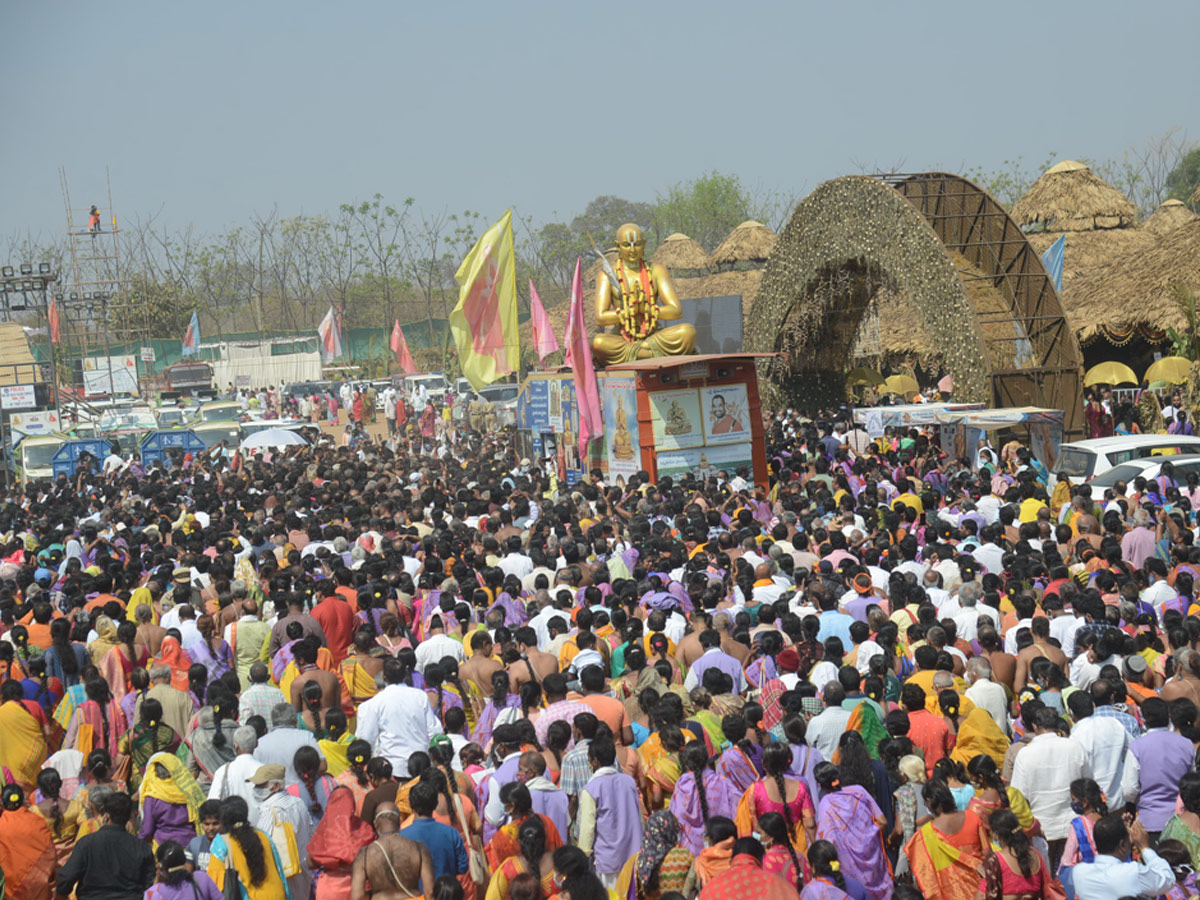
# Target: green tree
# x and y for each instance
(706, 209)
(1008, 183)
(1185, 179)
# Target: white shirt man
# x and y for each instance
(280, 807)
(1105, 744)
(434, 647)
(516, 563)
(825, 729)
(985, 693)
(1043, 772)
(398, 721)
(232, 779)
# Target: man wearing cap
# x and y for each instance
(276, 807)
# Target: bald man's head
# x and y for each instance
(387, 818)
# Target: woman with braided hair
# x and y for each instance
(776, 792)
(500, 700)
(852, 821)
(1015, 868)
(62, 819)
(248, 852)
(740, 761)
(211, 741)
(312, 695)
(97, 722)
(535, 857)
(700, 794)
(150, 735)
(518, 806)
(781, 857)
(440, 698)
(354, 776)
(313, 788)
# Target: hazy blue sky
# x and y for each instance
(212, 111)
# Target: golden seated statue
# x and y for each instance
(635, 298)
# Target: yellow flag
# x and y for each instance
(484, 323)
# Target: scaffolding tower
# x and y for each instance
(92, 295)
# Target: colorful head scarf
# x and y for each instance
(659, 837)
(179, 787)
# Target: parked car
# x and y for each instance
(1080, 461)
(1148, 468)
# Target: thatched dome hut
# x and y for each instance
(681, 255)
(746, 247)
(1171, 215)
(1141, 291)
(1070, 197)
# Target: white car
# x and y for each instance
(1081, 461)
(1148, 468)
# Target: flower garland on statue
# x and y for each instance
(638, 315)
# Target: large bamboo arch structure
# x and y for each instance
(856, 235)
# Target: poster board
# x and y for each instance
(726, 413)
(705, 462)
(623, 450)
(676, 420)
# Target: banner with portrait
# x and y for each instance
(726, 414)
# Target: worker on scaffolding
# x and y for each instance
(94, 220)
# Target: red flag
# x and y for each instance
(52, 320)
(400, 348)
(579, 358)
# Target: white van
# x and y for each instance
(1081, 461)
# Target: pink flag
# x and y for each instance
(544, 341)
(579, 358)
(400, 348)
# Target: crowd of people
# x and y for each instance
(422, 666)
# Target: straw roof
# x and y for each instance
(1195, 198)
(750, 242)
(1070, 197)
(1087, 251)
(1168, 217)
(1139, 290)
(14, 350)
(680, 253)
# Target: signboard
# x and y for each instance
(17, 396)
(537, 406)
(554, 405)
(675, 417)
(148, 354)
(96, 370)
(30, 424)
(705, 462)
(693, 370)
(243, 381)
(726, 414)
(623, 450)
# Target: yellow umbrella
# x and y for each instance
(1109, 373)
(1174, 369)
(901, 384)
(860, 375)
